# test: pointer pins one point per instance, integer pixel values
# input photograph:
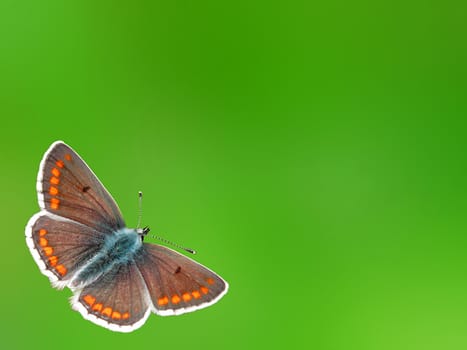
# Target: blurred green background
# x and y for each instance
(313, 153)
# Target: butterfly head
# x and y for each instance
(142, 232)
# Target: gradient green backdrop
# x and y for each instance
(313, 153)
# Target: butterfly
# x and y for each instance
(79, 240)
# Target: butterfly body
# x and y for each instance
(118, 248)
(79, 240)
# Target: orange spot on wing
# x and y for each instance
(210, 280)
(186, 296)
(196, 294)
(204, 290)
(68, 157)
(97, 307)
(125, 316)
(54, 203)
(175, 299)
(55, 172)
(53, 261)
(54, 180)
(42, 232)
(59, 163)
(53, 190)
(163, 301)
(48, 251)
(43, 242)
(116, 315)
(89, 299)
(62, 270)
(107, 311)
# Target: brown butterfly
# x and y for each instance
(79, 240)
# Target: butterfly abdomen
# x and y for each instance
(119, 248)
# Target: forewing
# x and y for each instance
(67, 187)
(176, 283)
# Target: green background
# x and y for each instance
(314, 154)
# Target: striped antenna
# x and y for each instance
(140, 209)
(189, 250)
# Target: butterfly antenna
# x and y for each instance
(140, 209)
(144, 231)
(189, 250)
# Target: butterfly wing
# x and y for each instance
(77, 212)
(60, 246)
(67, 187)
(177, 284)
(117, 300)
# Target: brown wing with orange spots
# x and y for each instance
(176, 283)
(60, 247)
(67, 187)
(117, 300)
